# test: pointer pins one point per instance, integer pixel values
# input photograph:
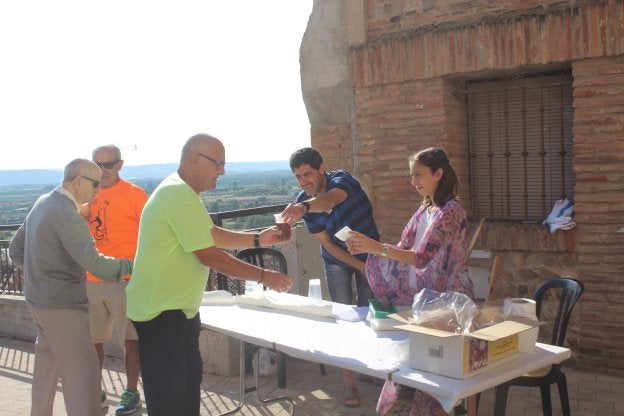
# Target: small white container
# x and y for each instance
(314, 289)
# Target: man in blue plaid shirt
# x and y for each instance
(330, 200)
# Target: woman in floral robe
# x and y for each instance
(430, 255)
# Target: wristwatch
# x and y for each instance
(306, 204)
(384, 250)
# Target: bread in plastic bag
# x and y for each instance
(446, 311)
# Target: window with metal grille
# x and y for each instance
(520, 146)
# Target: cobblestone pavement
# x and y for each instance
(314, 394)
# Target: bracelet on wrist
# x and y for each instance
(306, 204)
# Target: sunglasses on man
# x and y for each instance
(96, 184)
(107, 165)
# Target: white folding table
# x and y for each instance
(356, 346)
(350, 345)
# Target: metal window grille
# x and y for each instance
(520, 146)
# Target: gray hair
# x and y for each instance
(76, 167)
(109, 147)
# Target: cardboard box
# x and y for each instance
(462, 356)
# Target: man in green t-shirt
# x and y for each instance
(178, 244)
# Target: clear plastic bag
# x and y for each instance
(489, 314)
(267, 362)
(446, 311)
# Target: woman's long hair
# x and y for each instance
(448, 186)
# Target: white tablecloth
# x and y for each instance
(351, 345)
(356, 346)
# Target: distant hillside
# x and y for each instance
(51, 176)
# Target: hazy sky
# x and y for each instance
(146, 75)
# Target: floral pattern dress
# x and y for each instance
(439, 265)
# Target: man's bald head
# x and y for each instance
(200, 142)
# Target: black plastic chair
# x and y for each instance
(224, 282)
(569, 291)
(267, 258)
(271, 259)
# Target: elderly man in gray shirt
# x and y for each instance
(54, 248)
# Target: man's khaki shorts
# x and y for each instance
(107, 311)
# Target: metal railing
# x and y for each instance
(219, 217)
(11, 278)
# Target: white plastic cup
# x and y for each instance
(314, 289)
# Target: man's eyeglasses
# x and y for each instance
(107, 165)
(217, 163)
(96, 184)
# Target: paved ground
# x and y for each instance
(314, 394)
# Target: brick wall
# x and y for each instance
(393, 16)
(456, 144)
(599, 167)
(335, 144)
(507, 41)
(404, 81)
(396, 18)
(393, 122)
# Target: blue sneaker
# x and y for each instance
(130, 402)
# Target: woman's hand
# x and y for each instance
(359, 243)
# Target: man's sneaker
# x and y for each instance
(130, 402)
(104, 400)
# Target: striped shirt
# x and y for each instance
(355, 211)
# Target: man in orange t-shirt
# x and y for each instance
(114, 221)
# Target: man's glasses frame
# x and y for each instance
(96, 184)
(218, 163)
(107, 165)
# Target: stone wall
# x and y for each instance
(326, 84)
(220, 353)
(16, 320)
